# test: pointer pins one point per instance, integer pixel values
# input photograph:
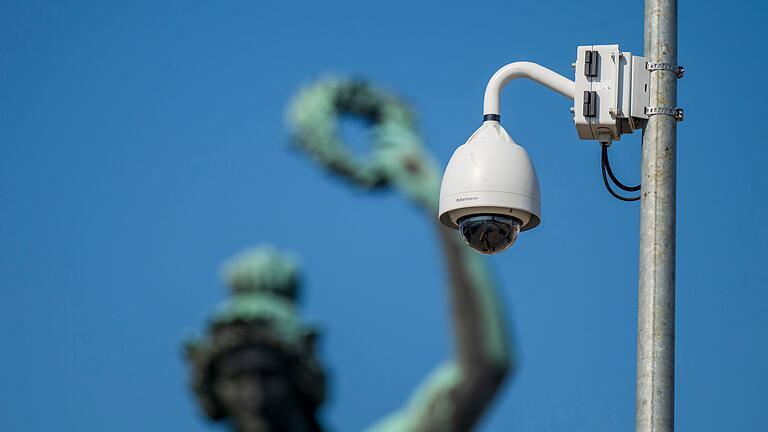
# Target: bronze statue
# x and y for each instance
(257, 368)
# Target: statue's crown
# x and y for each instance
(263, 270)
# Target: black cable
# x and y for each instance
(605, 180)
(607, 164)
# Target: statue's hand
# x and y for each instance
(407, 166)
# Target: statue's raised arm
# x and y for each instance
(455, 396)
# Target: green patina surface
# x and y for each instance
(264, 285)
(397, 156)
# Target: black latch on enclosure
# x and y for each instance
(590, 104)
(590, 63)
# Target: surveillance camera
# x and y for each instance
(490, 191)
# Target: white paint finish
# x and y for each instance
(532, 71)
(490, 174)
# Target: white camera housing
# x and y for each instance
(492, 179)
(490, 174)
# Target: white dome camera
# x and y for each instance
(490, 191)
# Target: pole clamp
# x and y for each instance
(679, 71)
(677, 113)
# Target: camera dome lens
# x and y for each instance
(489, 233)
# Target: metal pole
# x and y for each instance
(656, 292)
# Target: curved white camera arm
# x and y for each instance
(610, 93)
(532, 71)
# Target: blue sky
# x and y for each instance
(142, 143)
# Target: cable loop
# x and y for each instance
(606, 168)
(616, 181)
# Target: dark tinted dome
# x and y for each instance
(489, 233)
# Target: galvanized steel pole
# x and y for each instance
(656, 292)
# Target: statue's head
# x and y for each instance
(257, 366)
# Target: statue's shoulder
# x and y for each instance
(429, 407)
